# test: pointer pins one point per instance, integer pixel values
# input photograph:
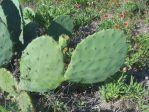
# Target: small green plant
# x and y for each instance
(82, 2)
(135, 8)
(59, 106)
(47, 10)
(107, 24)
(135, 91)
(138, 53)
(116, 22)
(2, 109)
(114, 90)
(131, 8)
(28, 15)
(119, 89)
(43, 14)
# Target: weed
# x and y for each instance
(132, 93)
(116, 21)
(113, 90)
(139, 52)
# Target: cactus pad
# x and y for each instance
(61, 25)
(7, 82)
(41, 65)
(97, 57)
(24, 102)
(6, 45)
(11, 9)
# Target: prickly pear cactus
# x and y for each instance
(6, 45)
(24, 102)
(97, 57)
(7, 82)
(12, 12)
(41, 65)
(61, 25)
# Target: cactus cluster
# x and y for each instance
(96, 58)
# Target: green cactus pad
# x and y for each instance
(61, 25)
(6, 45)
(11, 9)
(24, 102)
(7, 82)
(97, 57)
(41, 65)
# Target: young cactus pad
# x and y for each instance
(97, 57)
(6, 45)
(61, 25)
(41, 65)
(7, 82)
